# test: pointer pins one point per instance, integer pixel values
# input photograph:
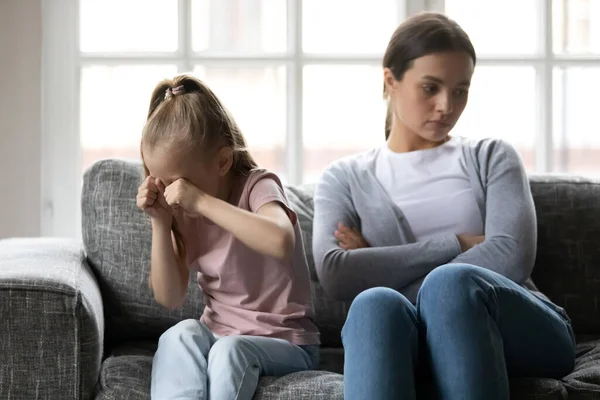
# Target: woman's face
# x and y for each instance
(431, 95)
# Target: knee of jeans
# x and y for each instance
(447, 285)
(181, 332)
(379, 306)
(230, 350)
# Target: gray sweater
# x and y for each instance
(349, 192)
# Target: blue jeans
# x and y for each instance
(192, 363)
(470, 330)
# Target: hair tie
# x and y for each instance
(170, 92)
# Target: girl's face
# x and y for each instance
(431, 95)
(169, 165)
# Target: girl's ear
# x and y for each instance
(225, 158)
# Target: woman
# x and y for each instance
(434, 237)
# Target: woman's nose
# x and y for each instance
(444, 104)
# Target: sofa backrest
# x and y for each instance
(567, 267)
(329, 314)
(117, 238)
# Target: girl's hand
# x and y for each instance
(151, 200)
(350, 239)
(183, 194)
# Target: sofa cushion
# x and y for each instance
(302, 385)
(584, 382)
(126, 375)
(126, 372)
(567, 267)
(117, 238)
(537, 388)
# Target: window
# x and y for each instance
(303, 79)
(537, 79)
(284, 69)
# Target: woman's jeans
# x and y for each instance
(470, 330)
(192, 363)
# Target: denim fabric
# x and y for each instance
(470, 330)
(192, 363)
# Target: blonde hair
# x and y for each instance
(186, 114)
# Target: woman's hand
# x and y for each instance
(467, 242)
(151, 200)
(183, 194)
(350, 238)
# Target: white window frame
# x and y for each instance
(544, 64)
(62, 62)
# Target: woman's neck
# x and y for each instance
(402, 140)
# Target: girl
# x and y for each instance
(434, 237)
(214, 212)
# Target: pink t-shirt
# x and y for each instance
(247, 293)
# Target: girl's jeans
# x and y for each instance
(192, 363)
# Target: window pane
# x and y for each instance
(344, 27)
(240, 26)
(576, 137)
(576, 26)
(114, 106)
(499, 27)
(128, 26)
(502, 104)
(344, 113)
(256, 98)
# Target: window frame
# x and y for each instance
(62, 62)
(544, 64)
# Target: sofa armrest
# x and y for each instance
(52, 322)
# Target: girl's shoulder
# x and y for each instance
(257, 179)
(258, 174)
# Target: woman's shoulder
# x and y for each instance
(493, 157)
(488, 149)
(352, 163)
(488, 144)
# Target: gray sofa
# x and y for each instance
(79, 322)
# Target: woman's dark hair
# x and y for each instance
(418, 36)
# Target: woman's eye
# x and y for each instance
(460, 92)
(430, 89)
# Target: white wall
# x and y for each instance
(20, 117)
